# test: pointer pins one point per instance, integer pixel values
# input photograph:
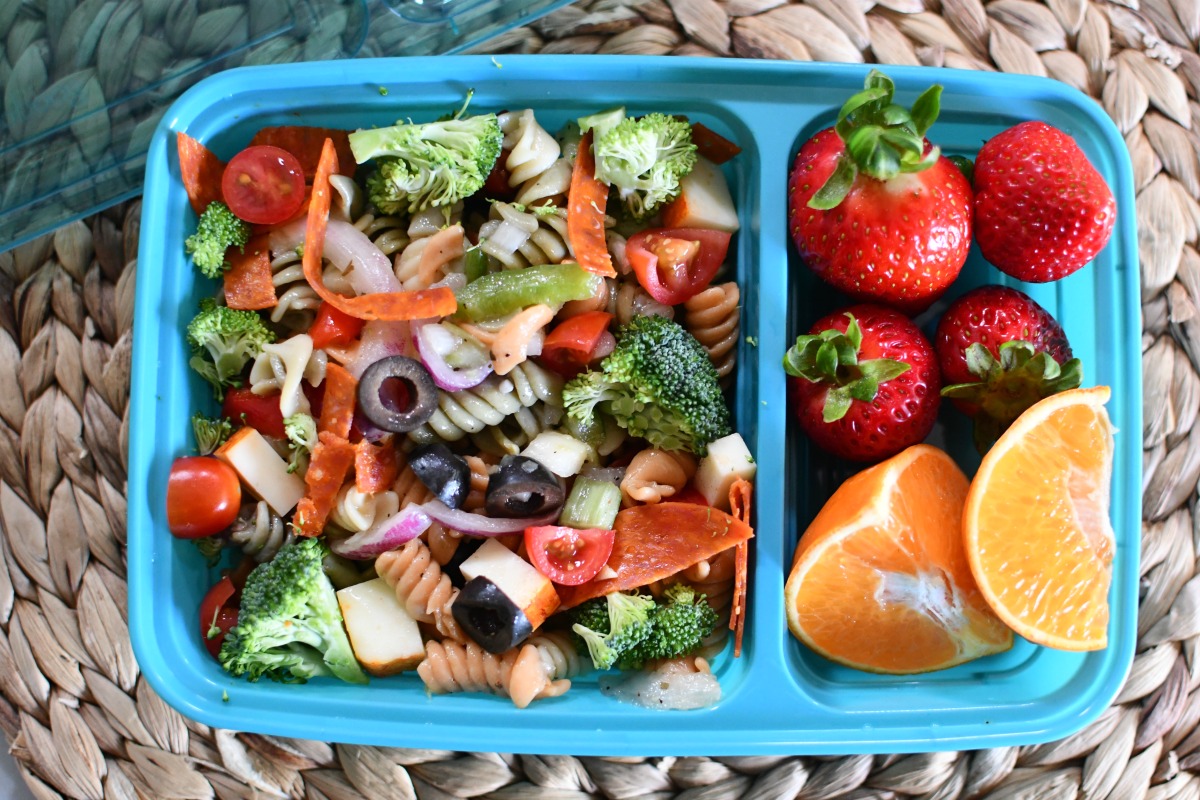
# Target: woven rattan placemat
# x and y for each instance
(83, 723)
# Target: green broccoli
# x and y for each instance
(431, 164)
(658, 384)
(210, 433)
(644, 157)
(289, 624)
(301, 430)
(219, 229)
(225, 340)
(678, 625)
(628, 618)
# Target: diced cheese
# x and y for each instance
(384, 637)
(263, 472)
(703, 202)
(561, 454)
(530, 590)
(728, 459)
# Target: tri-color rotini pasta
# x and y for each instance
(456, 371)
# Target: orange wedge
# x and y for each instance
(880, 581)
(1037, 529)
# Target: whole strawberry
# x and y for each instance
(1042, 210)
(865, 383)
(874, 209)
(1000, 352)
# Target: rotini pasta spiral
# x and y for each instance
(442, 542)
(480, 475)
(259, 532)
(430, 258)
(543, 236)
(560, 657)
(282, 365)
(421, 587)
(385, 232)
(532, 150)
(654, 475)
(603, 299)
(356, 511)
(633, 301)
(490, 403)
(431, 220)
(296, 301)
(519, 674)
(712, 316)
(513, 434)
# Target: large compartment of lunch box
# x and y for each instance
(778, 697)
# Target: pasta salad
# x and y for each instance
(474, 423)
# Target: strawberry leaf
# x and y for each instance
(925, 109)
(837, 403)
(882, 370)
(835, 189)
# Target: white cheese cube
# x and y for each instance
(530, 590)
(703, 202)
(384, 637)
(263, 472)
(728, 459)
(561, 454)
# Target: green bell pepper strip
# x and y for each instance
(502, 293)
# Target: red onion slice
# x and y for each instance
(345, 246)
(387, 534)
(471, 524)
(445, 376)
(604, 346)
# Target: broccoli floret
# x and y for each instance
(219, 229)
(591, 614)
(678, 625)
(289, 624)
(225, 339)
(658, 384)
(210, 433)
(628, 619)
(301, 430)
(210, 547)
(644, 158)
(431, 164)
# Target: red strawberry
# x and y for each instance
(874, 209)
(865, 383)
(1042, 210)
(1000, 353)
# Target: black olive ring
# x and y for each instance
(423, 394)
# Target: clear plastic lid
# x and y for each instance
(84, 84)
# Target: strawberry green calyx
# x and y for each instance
(831, 357)
(882, 139)
(1009, 385)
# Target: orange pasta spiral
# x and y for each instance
(480, 475)
(654, 475)
(712, 317)
(421, 586)
(519, 674)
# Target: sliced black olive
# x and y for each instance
(422, 395)
(443, 472)
(522, 487)
(490, 617)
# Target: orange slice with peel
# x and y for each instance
(880, 580)
(1038, 534)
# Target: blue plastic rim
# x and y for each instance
(778, 698)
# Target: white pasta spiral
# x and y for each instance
(355, 511)
(386, 232)
(634, 301)
(543, 236)
(296, 301)
(531, 149)
(282, 365)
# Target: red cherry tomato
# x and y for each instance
(568, 556)
(570, 347)
(675, 264)
(260, 412)
(263, 185)
(203, 496)
(496, 186)
(218, 613)
(334, 327)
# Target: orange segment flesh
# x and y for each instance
(1037, 527)
(880, 580)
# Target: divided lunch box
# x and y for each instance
(779, 697)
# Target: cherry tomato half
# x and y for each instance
(334, 327)
(568, 556)
(218, 613)
(570, 347)
(263, 185)
(675, 264)
(260, 412)
(203, 496)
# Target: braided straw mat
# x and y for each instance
(83, 723)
